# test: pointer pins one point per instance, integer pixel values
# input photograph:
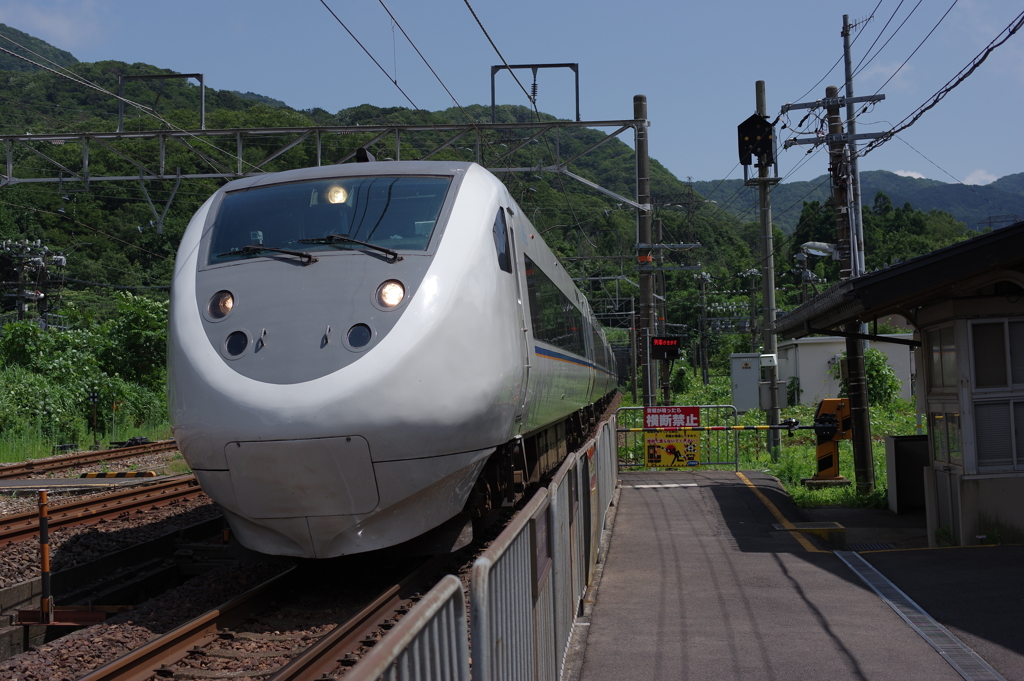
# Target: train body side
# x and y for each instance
(389, 444)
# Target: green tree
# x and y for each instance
(883, 385)
(137, 345)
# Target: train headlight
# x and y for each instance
(337, 194)
(221, 304)
(390, 294)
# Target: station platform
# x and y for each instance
(697, 583)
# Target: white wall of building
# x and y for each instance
(811, 360)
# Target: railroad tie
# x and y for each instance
(120, 474)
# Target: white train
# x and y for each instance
(361, 354)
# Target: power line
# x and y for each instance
(866, 59)
(82, 81)
(89, 227)
(838, 61)
(918, 46)
(958, 181)
(960, 77)
(96, 283)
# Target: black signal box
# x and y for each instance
(757, 138)
(666, 347)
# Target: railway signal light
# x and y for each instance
(756, 138)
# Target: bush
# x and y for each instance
(681, 378)
(883, 385)
(47, 376)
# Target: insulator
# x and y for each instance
(533, 92)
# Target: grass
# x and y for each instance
(30, 443)
(797, 458)
(177, 465)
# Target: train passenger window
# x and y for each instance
(556, 319)
(500, 233)
(395, 212)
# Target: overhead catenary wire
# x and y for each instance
(394, 81)
(491, 41)
(533, 102)
(438, 77)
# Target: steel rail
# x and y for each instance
(142, 663)
(321, 658)
(23, 526)
(157, 656)
(57, 463)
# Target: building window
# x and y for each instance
(997, 362)
(942, 358)
(998, 352)
(944, 427)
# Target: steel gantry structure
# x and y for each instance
(228, 154)
(228, 161)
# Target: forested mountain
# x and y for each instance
(978, 206)
(24, 40)
(107, 232)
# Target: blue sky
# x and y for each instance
(697, 62)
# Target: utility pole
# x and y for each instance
(857, 216)
(856, 382)
(764, 185)
(644, 241)
(753, 310)
(842, 153)
(662, 305)
(703, 276)
(633, 356)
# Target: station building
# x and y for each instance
(966, 305)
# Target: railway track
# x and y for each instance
(210, 637)
(15, 528)
(57, 463)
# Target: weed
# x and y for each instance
(796, 459)
(944, 536)
(178, 467)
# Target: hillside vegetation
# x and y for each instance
(119, 267)
(980, 207)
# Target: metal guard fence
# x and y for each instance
(430, 642)
(525, 590)
(722, 447)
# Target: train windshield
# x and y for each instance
(397, 213)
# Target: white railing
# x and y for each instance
(429, 642)
(525, 590)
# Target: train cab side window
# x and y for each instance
(501, 242)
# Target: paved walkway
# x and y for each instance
(698, 585)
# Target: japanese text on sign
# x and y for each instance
(671, 417)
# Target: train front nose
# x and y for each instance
(302, 478)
